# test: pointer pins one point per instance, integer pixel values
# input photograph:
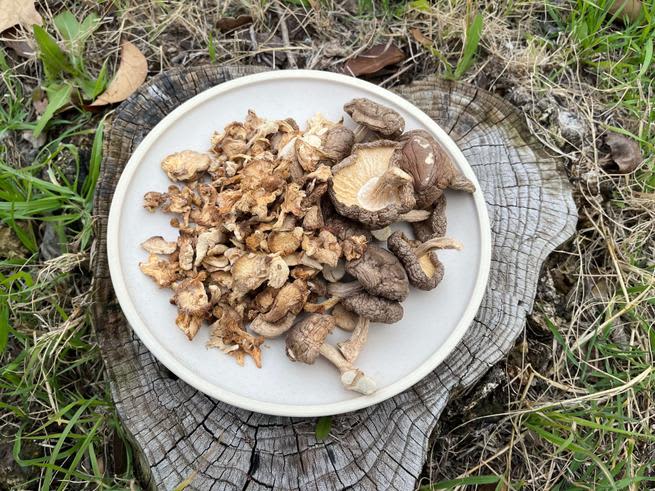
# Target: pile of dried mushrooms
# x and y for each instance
(275, 221)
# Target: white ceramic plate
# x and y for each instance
(396, 356)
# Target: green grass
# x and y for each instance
(55, 408)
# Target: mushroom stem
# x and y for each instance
(344, 289)
(437, 243)
(350, 349)
(461, 183)
(389, 182)
(414, 216)
(363, 134)
(352, 378)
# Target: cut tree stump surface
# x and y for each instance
(179, 433)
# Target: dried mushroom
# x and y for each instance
(368, 186)
(376, 309)
(432, 170)
(274, 228)
(306, 341)
(381, 120)
(186, 165)
(420, 260)
(435, 225)
(380, 273)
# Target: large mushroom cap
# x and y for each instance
(368, 186)
(306, 337)
(381, 119)
(376, 309)
(380, 273)
(423, 267)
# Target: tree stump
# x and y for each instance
(181, 434)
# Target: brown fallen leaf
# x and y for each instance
(131, 73)
(227, 24)
(629, 8)
(23, 12)
(625, 153)
(420, 38)
(374, 59)
(21, 47)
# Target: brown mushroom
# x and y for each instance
(376, 309)
(368, 186)
(432, 170)
(379, 119)
(423, 267)
(343, 228)
(337, 143)
(325, 248)
(306, 341)
(157, 245)
(186, 165)
(435, 225)
(380, 273)
(290, 299)
(229, 335)
(354, 247)
(272, 329)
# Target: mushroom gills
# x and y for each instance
(359, 183)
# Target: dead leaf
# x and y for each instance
(420, 38)
(131, 73)
(629, 8)
(23, 12)
(374, 59)
(227, 24)
(625, 153)
(21, 47)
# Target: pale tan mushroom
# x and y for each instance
(158, 245)
(186, 165)
(350, 349)
(163, 271)
(325, 248)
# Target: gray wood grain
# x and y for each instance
(180, 433)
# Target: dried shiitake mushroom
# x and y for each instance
(420, 260)
(369, 187)
(421, 156)
(376, 118)
(306, 341)
(435, 225)
(380, 273)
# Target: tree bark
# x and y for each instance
(182, 434)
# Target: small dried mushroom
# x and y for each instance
(381, 120)
(306, 341)
(423, 267)
(369, 187)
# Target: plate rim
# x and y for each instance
(271, 408)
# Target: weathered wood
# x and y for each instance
(181, 433)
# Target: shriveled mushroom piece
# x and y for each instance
(192, 304)
(306, 341)
(186, 165)
(421, 156)
(423, 267)
(272, 329)
(344, 319)
(371, 116)
(435, 225)
(368, 186)
(380, 273)
(163, 271)
(290, 299)
(337, 143)
(228, 335)
(376, 309)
